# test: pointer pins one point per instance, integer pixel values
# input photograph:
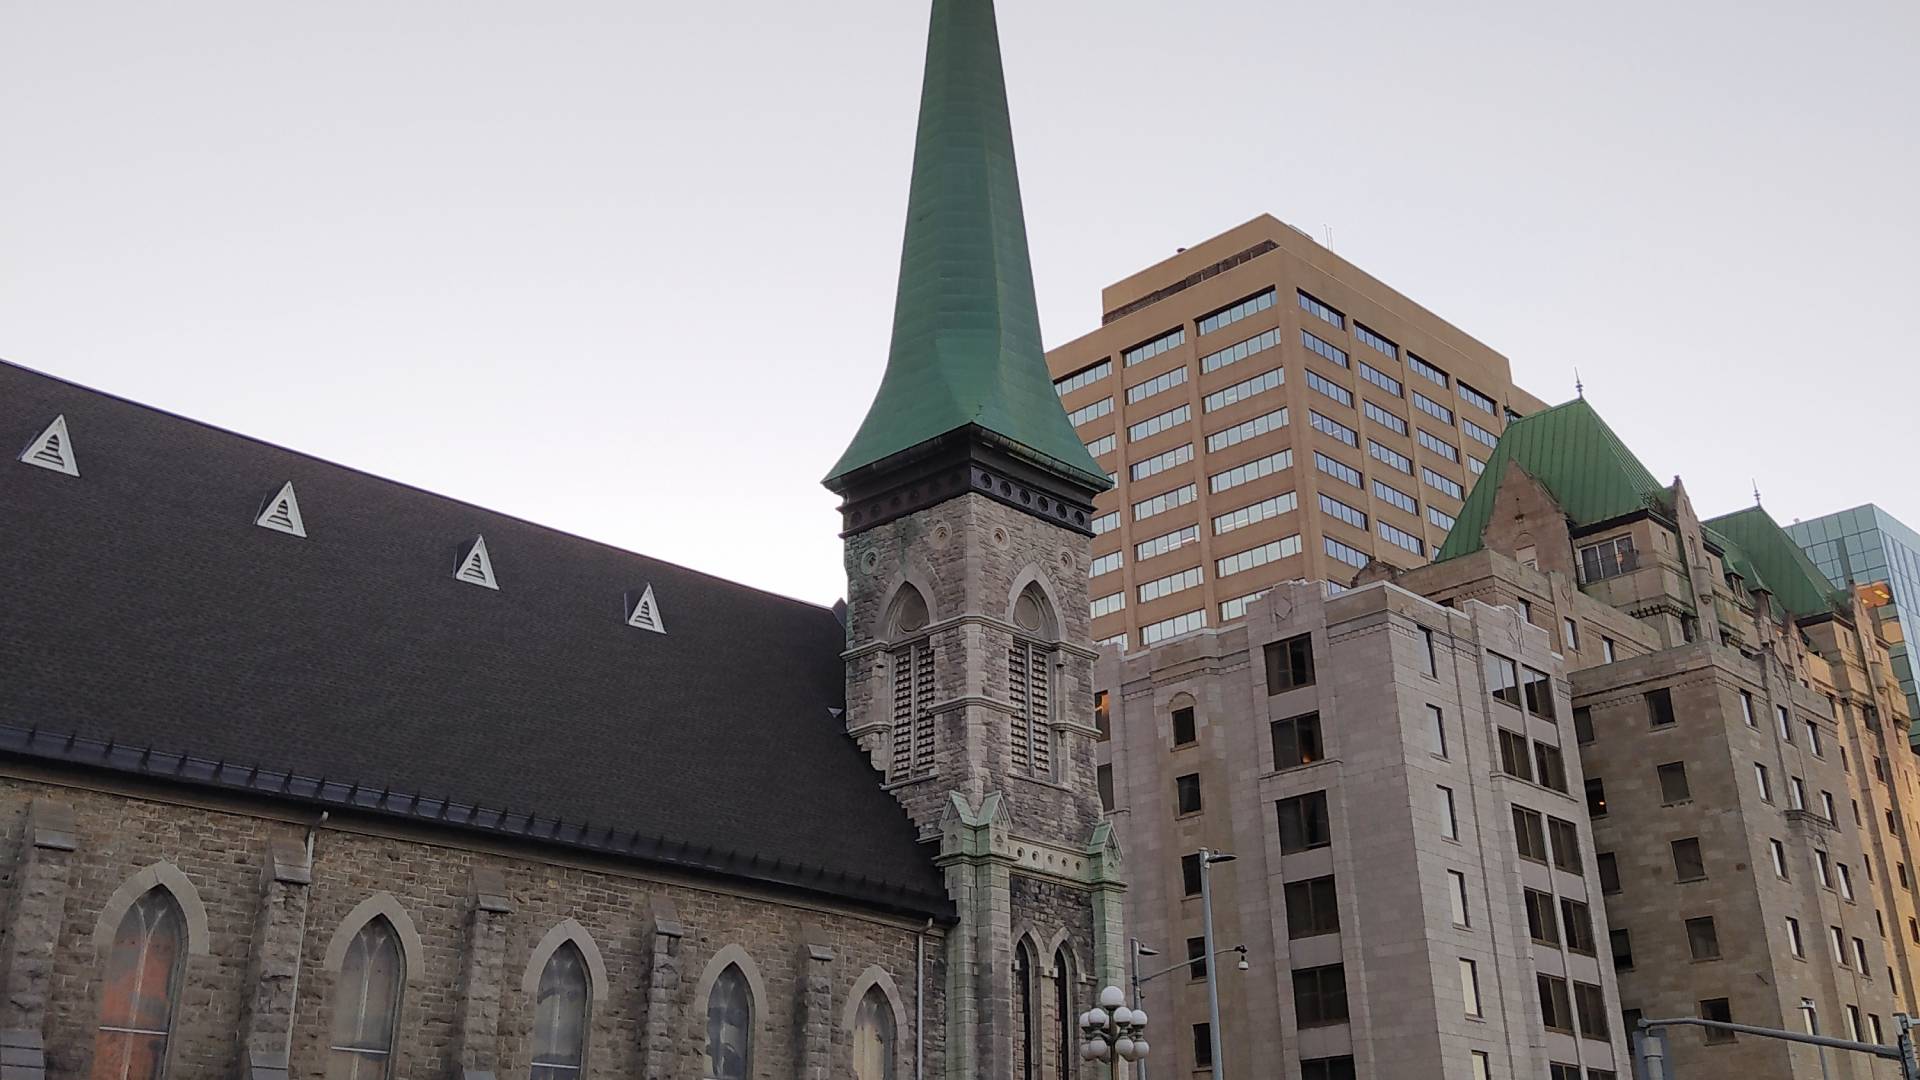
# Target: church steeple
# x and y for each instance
(966, 376)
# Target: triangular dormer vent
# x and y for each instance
(476, 568)
(644, 613)
(53, 449)
(282, 513)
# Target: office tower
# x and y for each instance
(1268, 412)
(1871, 551)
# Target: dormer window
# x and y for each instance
(1606, 559)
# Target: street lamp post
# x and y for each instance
(1139, 980)
(1207, 859)
(1114, 1033)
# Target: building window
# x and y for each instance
(1786, 724)
(1159, 463)
(1320, 995)
(1429, 657)
(1241, 561)
(1480, 435)
(1606, 559)
(1449, 821)
(1334, 429)
(1827, 809)
(1324, 349)
(1823, 868)
(1401, 538)
(1381, 344)
(1688, 863)
(1103, 779)
(1513, 755)
(1313, 908)
(1159, 384)
(1190, 874)
(1503, 679)
(1321, 310)
(1552, 768)
(1839, 945)
(1539, 694)
(1103, 445)
(1334, 508)
(1433, 408)
(1103, 714)
(1329, 388)
(1796, 793)
(1174, 627)
(142, 989)
(1440, 517)
(1436, 731)
(1233, 354)
(1556, 1012)
(1763, 781)
(1030, 686)
(1260, 511)
(1330, 1068)
(1779, 854)
(1202, 1046)
(1233, 313)
(1249, 472)
(1703, 941)
(1860, 958)
(1106, 523)
(1187, 793)
(1457, 897)
(1622, 943)
(1746, 709)
(1659, 707)
(1673, 783)
(1717, 1009)
(1845, 877)
(1609, 868)
(1186, 579)
(1289, 663)
(1470, 986)
(1541, 925)
(1087, 414)
(1442, 484)
(1426, 370)
(1481, 1069)
(1394, 497)
(1596, 797)
(1241, 391)
(1530, 835)
(1794, 940)
(1247, 429)
(1436, 444)
(874, 1037)
(1583, 725)
(366, 1007)
(1296, 741)
(1105, 564)
(1196, 958)
(1476, 399)
(1382, 380)
(1592, 1007)
(560, 1016)
(1184, 728)
(1303, 822)
(1086, 376)
(1154, 425)
(1607, 649)
(1389, 457)
(1147, 350)
(1566, 844)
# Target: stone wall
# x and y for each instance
(474, 918)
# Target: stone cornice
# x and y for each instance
(957, 621)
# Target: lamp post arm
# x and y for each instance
(1241, 949)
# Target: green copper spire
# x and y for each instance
(966, 330)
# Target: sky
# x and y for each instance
(627, 269)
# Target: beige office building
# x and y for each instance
(1403, 891)
(1268, 412)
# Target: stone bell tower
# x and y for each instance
(967, 510)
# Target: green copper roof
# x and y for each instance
(1765, 549)
(966, 330)
(1571, 451)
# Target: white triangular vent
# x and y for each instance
(53, 449)
(646, 613)
(282, 513)
(476, 568)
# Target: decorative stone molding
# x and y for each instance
(33, 927)
(483, 975)
(412, 951)
(729, 955)
(165, 875)
(561, 933)
(274, 969)
(815, 1000)
(662, 991)
(877, 978)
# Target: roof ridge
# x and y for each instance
(403, 485)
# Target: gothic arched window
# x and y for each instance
(366, 1004)
(142, 987)
(1023, 1002)
(1064, 1016)
(912, 751)
(560, 1016)
(1030, 682)
(730, 1026)
(873, 1038)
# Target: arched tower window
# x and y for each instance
(560, 1016)
(1064, 1015)
(366, 1006)
(1030, 681)
(1023, 1000)
(730, 1026)
(911, 754)
(873, 1038)
(142, 987)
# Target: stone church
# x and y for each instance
(307, 773)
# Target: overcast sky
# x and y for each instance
(627, 268)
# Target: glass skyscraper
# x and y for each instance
(1864, 546)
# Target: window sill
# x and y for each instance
(1694, 880)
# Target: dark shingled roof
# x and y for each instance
(141, 606)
